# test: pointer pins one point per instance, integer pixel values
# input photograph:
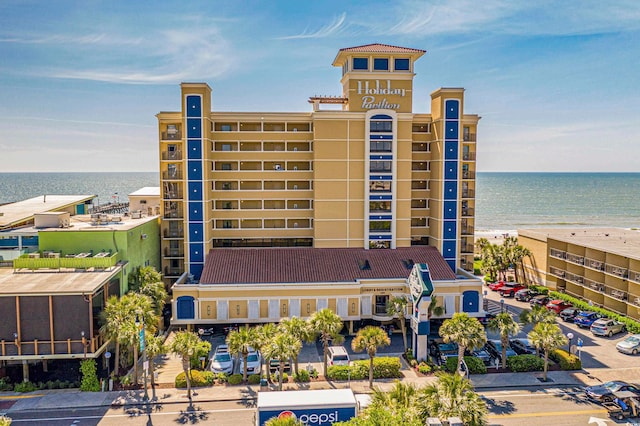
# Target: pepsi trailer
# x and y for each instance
(312, 407)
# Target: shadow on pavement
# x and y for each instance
(499, 406)
(192, 415)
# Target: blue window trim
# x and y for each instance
(361, 64)
(402, 61)
(381, 64)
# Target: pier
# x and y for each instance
(110, 208)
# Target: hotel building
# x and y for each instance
(359, 172)
(599, 265)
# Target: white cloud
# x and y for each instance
(332, 28)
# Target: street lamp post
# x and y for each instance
(140, 325)
(84, 343)
(501, 305)
(570, 337)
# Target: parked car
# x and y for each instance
(523, 347)
(604, 392)
(541, 300)
(482, 354)
(274, 365)
(510, 289)
(496, 286)
(569, 314)
(585, 319)
(558, 305)
(485, 320)
(630, 345)
(525, 294)
(494, 347)
(221, 362)
(607, 327)
(253, 362)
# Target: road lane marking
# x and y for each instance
(546, 414)
(21, 396)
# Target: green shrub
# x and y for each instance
(222, 378)
(424, 368)
(24, 387)
(235, 379)
(254, 379)
(89, 372)
(539, 288)
(475, 365)
(5, 385)
(566, 360)
(198, 379)
(383, 368)
(409, 355)
(521, 363)
(274, 378)
(301, 377)
(203, 349)
(413, 363)
(314, 373)
(5, 421)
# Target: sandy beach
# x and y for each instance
(495, 237)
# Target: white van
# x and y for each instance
(338, 355)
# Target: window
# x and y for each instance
(381, 305)
(227, 224)
(380, 146)
(226, 147)
(380, 186)
(401, 65)
(225, 127)
(421, 127)
(380, 166)
(361, 63)
(226, 186)
(226, 166)
(379, 206)
(381, 64)
(381, 126)
(380, 226)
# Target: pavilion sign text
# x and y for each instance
(372, 93)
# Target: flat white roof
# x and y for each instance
(21, 211)
(47, 282)
(146, 191)
(304, 398)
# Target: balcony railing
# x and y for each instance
(616, 293)
(41, 348)
(83, 261)
(635, 300)
(574, 278)
(468, 174)
(172, 155)
(594, 264)
(594, 285)
(466, 230)
(172, 175)
(468, 156)
(172, 272)
(469, 193)
(578, 260)
(171, 136)
(469, 137)
(173, 214)
(173, 252)
(466, 248)
(173, 195)
(558, 254)
(467, 212)
(174, 233)
(617, 271)
(557, 272)
(634, 276)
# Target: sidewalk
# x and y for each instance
(52, 399)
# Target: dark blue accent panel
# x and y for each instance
(449, 249)
(451, 150)
(452, 109)
(449, 230)
(380, 237)
(450, 190)
(380, 217)
(195, 211)
(381, 117)
(451, 170)
(195, 170)
(451, 130)
(381, 157)
(186, 308)
(194, 106)
(360, 63)
(452, 264)
(380, 177)
(195, 191)
(470, 301)
(194, 149)
(380, 197)
(196, 232)
(195, 269)
(424, 328)
(194, 128)
(401, 65)
(376, 137)
(196, 252)
(450, 210)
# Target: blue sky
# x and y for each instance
(556, 82)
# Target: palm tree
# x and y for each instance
(451, 395)
(465, 331)
(506, 326)
(397, 306)
(548, 337)
(434, 308)
(240, 343)
(154, 345)
(185, 344)
(328, 325)
(141, 311)
(370, 339)
(282, 347)
(114, 316)
(264, 335)
(537, 314)
(287, 421)
(300, 329)
(142, 275)
(157, 293)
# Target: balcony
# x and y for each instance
(558, 254)
(578, 260)
(177, 175)
(634, 276)
(171, 155)
(616, 293)
(577, 279)
(468, 156)
(173, 252)
(635, 300)
(173, 214)
(173, 195)
(83, 261)
(172, 272)
(469, 193)
(466, 248)
(469, 137)
(557, 272)
(617, 271)
(594, 285)
(172, 136)
(594, 264)
(467, 212)
(174, 233)
(468, 174)
(466, 230)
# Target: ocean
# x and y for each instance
(504, 201)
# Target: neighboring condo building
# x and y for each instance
(599, 265)
(270, 215)
(372, 174)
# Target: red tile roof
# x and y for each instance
(381, 48)
(314, 265)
